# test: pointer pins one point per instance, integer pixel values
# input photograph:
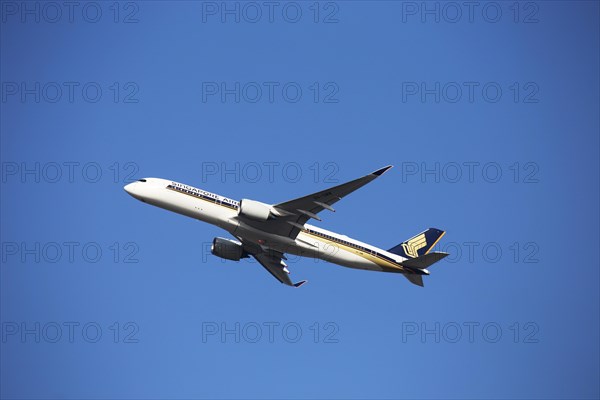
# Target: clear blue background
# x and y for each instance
(170, 132)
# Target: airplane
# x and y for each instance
(268, 231)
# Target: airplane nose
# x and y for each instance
(138, 189)
(130, 189)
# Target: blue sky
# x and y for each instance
(489, 115)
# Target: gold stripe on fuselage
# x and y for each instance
(376, 258)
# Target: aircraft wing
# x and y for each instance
(295, 213)
(270, 260)
(276, 267)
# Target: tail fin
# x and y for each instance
(418, 245)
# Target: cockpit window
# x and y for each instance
(141, 180)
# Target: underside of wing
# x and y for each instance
(270, 260)
(277, 268)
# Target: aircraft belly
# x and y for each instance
(175, 203)
(193, 208)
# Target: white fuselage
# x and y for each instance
(223, 212)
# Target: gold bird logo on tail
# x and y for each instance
(412, 247)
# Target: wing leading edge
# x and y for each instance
(295, 213)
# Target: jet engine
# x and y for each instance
(227, 249)
(255, 210)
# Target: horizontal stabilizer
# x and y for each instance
(424, 261)
(298, 284)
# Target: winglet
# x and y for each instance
(298, 284)
(381, 171)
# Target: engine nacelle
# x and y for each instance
(227, 249)
(254, 210)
